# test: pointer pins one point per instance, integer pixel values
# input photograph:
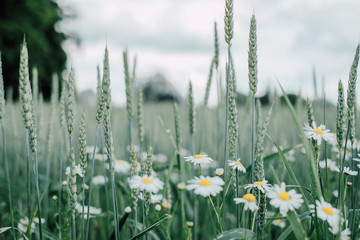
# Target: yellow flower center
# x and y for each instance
(284, 196)
(165, 205)
(259, 183)
(238, 163)
(138, 164)
(198, 156)
(121, 161)
(147, 180)
(278, 220)
(249, 197)
(205, 182)
(328, 211)
(319, 131)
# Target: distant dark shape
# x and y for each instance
(36, 20)
(267, 99)
(158, 89)
(293, 99)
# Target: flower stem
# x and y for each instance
(7, 175)
(36, 175)
(90, 187)
(216, 213)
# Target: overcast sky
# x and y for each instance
(176, 38)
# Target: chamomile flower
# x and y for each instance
(318, 133)
(328, 213)
(330, 164)
(284, 200)
(101, 157)
(261, 185)
(219, 172)
(237, 165)
(122, 166)
(146, 183)
(198, 159)
(347, 171)
(154, 198)
(345, 235)
(90, 149)
(206, 186)
(77, 170)
(92, 210)
(249, 200)
(279, 223)
(166, 204)
(23, 224)
(99, 180)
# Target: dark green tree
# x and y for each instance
(37, 21)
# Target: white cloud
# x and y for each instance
(176, 37)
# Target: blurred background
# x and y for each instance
(173, 41)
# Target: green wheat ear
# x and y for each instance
(192, 112)
(233, 118)
(252, 57)
(216, 46)
(352, 83)
(26, 99)
(208, 84)
(99, 98)
(82, 143)
(340, 116)
(228, 21)
(128, 86)
(133, 172)
(71, 103)
(140, 116)
(259, 165)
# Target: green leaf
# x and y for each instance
(155, 224)
(4, 229)
(296, 225)
(289, 170)
(237, 233)
(286, 150)
(316, 189)
(289, 229)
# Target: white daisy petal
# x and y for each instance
(206, 186)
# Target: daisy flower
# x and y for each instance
(219, 172)
(326, 212)
(206, 186)
(99, 180)
(100, 157)
(330, 164)
(122, 166)
(249, 200)
(154, 198)
(284, 200)
(198, 159)
(92, 211)
(23, 224)
(90, 149)
(345, 235)
(77, 170)
(237, 165)
(146, 183)
(318, 133)
(347, 171)
(160, 158)
(261, 185)
(166, 204)
(279, 223)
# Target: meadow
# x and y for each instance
(178, 171)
